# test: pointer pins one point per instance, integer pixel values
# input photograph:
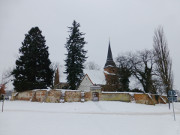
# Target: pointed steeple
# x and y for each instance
(109, 56)
(109, 61)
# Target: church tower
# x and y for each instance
(109, 61)
(110, 72)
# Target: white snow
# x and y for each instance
(98, 118)
(109, 73)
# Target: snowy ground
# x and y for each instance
(97, 118)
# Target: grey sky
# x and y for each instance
(129, 24)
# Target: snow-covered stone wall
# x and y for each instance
(150, 99)
(41, 95)
(27, 95)
(88, 96)
(72, 96)
(125, 97)
(53, 96)
(56, 96)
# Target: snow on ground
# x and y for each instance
(98, 118)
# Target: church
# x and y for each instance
(106, 79)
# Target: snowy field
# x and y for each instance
(89, 118)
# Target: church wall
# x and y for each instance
(85, 84)
(112, 82)
(110, 69)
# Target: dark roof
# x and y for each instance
(109, 61)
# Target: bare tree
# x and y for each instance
(2, 88)
(6, 76)
(55, 67)
(92, 66)
(142, 68)
(162, 59)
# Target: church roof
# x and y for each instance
(96, 76)
(109, 61)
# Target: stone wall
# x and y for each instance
(162, 99)
(13, 96)
(155, 99)
(150, 99)
(143, 99)
(72, 96)
(27, 95)
(108, 96)
(88, 96)
(54, 96)
(41, 95)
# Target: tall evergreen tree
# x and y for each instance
(76, 56)
(33, 69)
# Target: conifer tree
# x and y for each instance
(76, 56)
(33, 69)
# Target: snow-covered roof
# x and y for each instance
(96, 76)
(109, 73)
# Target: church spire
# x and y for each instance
(56, 78)
(109, 56)
(109, 61)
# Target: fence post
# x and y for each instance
(2, 102)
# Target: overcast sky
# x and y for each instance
(129, 24)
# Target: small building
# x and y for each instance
(92, 79)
